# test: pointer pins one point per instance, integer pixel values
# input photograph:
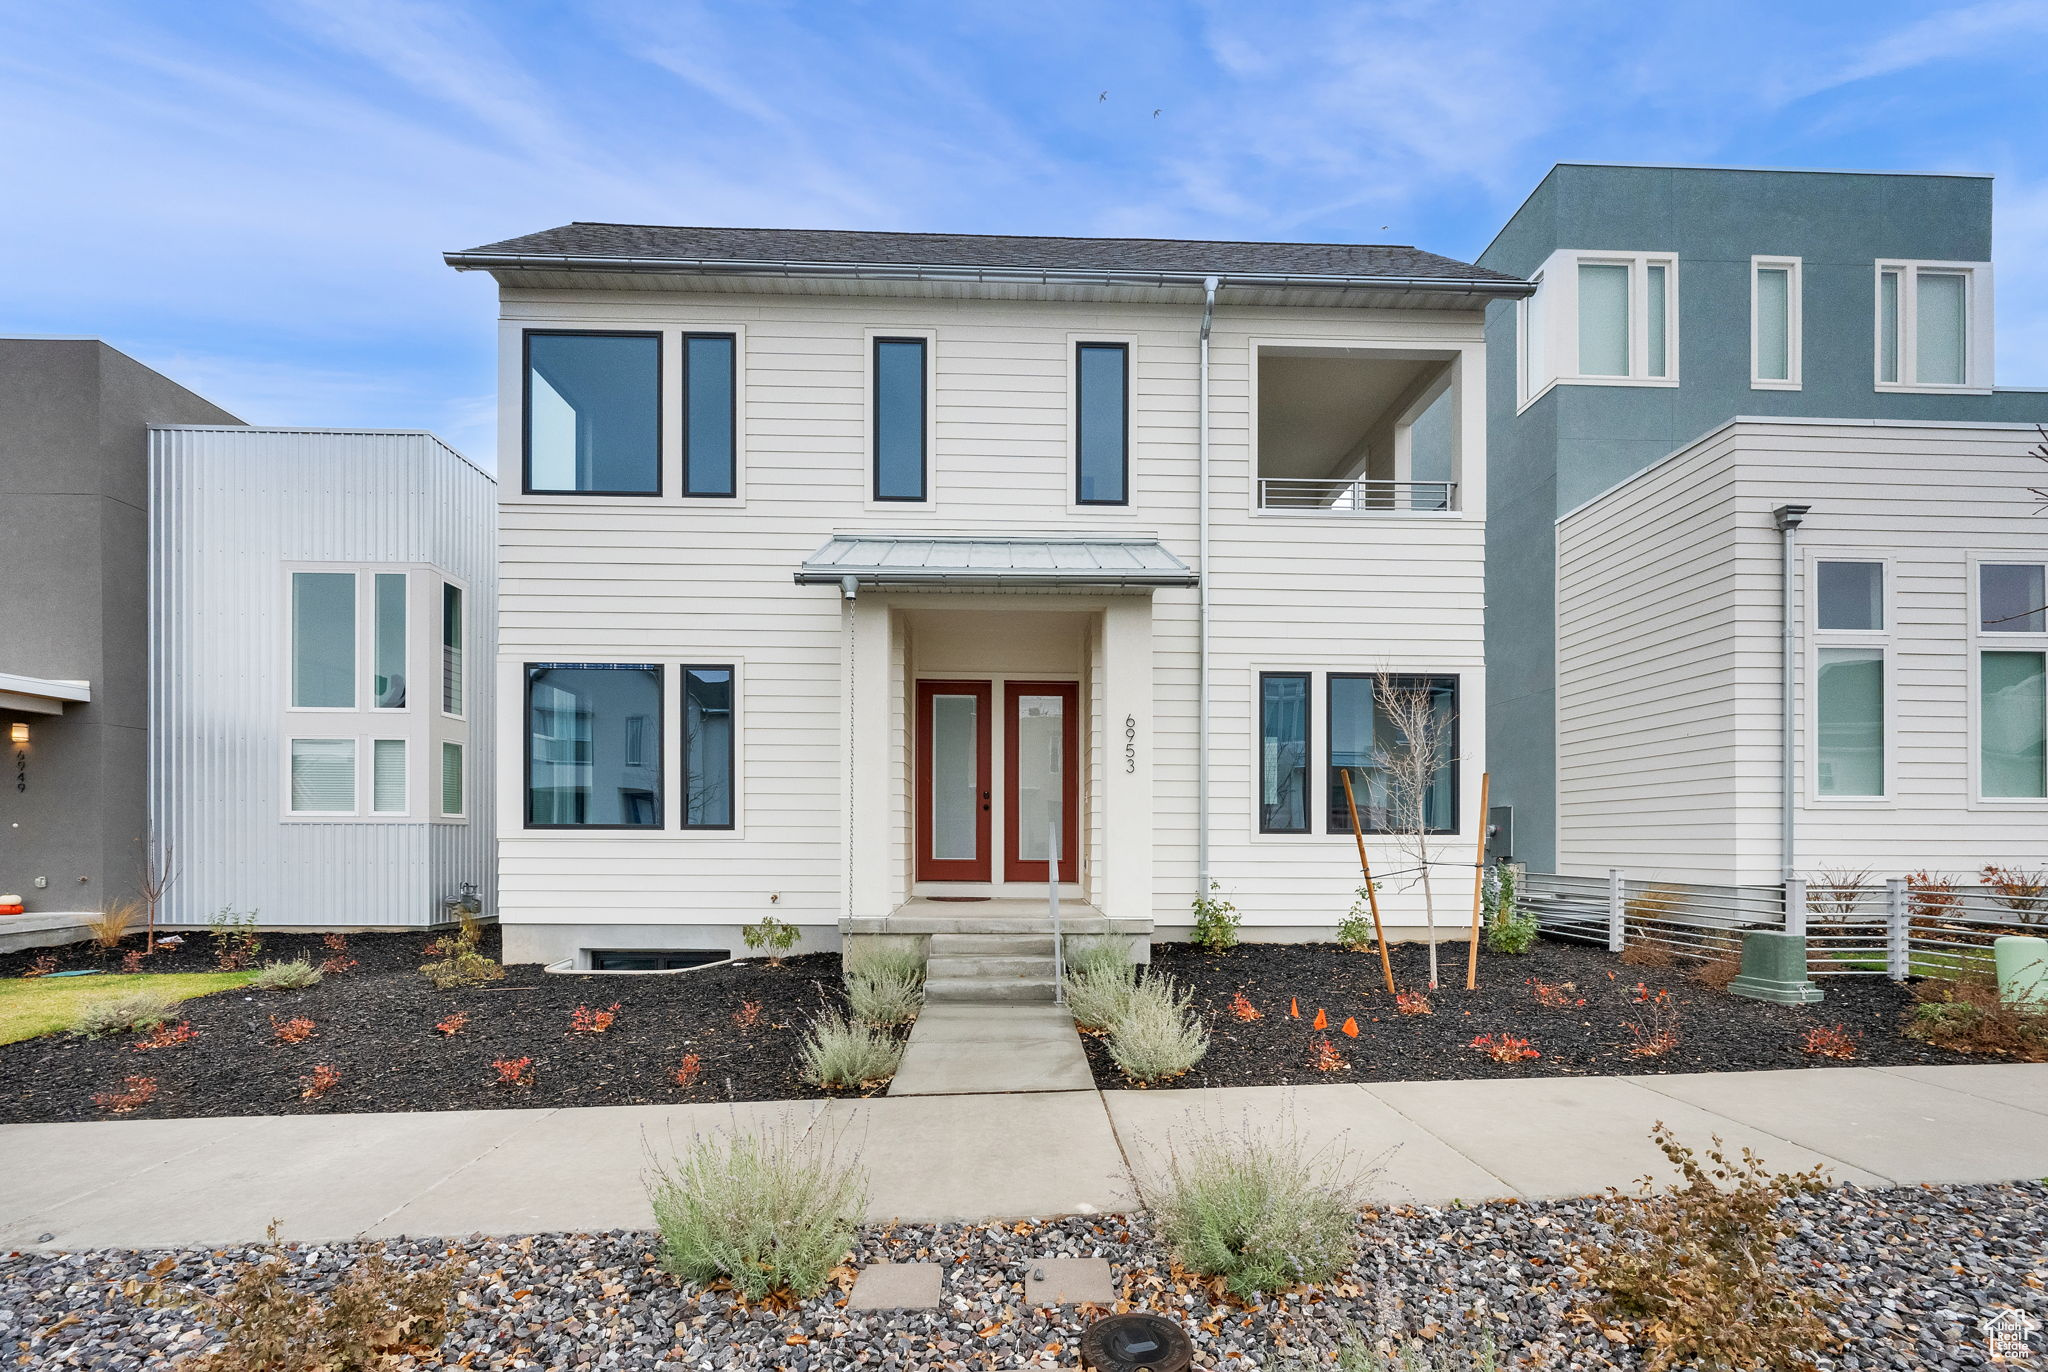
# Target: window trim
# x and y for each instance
(660, 827)
(1978, 336)
(1795, 323)
(732, 757)
(875, 500)
(1078, 346)
(683, 340)
(1981, 641)
(441, 644)
(526, 487)
(1308, 738)
(355, 810)
(1456, 763)
(1882, 641)
(405, 787)
(1549, 321)
(361, 645)
(441, 810)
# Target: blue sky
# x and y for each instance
(254, 197)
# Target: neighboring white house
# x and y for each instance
(1919, 638)
(840, 569)
(322, 616)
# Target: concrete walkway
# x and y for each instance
(958, 1048)
(142, 1183)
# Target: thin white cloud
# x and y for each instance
(1969, 31)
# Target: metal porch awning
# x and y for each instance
(910, 561)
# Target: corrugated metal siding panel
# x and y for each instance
(229, 509)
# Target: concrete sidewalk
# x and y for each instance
(145, 1183)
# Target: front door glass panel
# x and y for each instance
(956, 788)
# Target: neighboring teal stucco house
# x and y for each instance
(1636, 692)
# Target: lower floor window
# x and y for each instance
(584, 767)
(1396, 738)
(2012, 725)
(387, 776)
(1849, 719)
(323, 776)
(1283, 753)
(707, 747)
(451, 778)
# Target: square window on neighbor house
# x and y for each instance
(1365, 742)
(1625, 314)
(577, 772)
(1850, 596)
(593, 413)
(323, 776)
(1927, 325)
(2012, 598)
(1102, 379)
(899, 419)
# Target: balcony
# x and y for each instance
(1317, 495)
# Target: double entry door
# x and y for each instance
(955, 752)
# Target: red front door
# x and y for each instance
(1042, 765)
(954, 785)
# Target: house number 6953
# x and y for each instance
(1130, 743)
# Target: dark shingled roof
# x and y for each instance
(652, 243)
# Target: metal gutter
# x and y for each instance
(1005, 579)
(1209, 288)
(1787, 518)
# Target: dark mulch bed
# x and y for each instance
(375, 1024)
(1717, 1032)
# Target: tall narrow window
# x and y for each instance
(323, 776)
(593, 413)
(387, 776)
(1850, 596)
(710, 449)
(387, 684)
(2012, 598)
(1888, 322)
(1102, 373)
(2012, 725)
(707, 748)
(1849, 715)
(1941, 328)
(451, 649)
(1774, 323)
(451, 778)
(577, 774)
(899, 404)
(1603, 319)
(1656, 318)
(1283, 753)
(324, 640)
(1364, 742)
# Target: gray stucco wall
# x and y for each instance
(1576, 441)
(74, 546)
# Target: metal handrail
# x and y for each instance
(1354, 497)
(1052, 897)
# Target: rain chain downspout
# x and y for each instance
(1787, 518)
(1202, 599)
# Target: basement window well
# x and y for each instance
(1354, 431)
(655, 959)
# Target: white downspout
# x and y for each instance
(1202, 599)
(1787, 518)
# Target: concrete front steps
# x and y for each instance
(1006, 967)
(995, 951)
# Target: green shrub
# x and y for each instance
(1104, 952)
(1156, 1035)
(1096, 997)
(465, 966)
(884, 995)
(1509, 929)
(1216, 921)
(775, 936)
(1355, 932)
(127, 1014)
(900, 954)
(236, 944)
(1258, 1208)
(772, 1213)
(837, 1051)
(295, 975)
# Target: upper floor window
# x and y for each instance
(710, 412)
(1102, 423)
(2012, 597)
(1933, 325)
(1775, 324)
(899, 409)
(387, 642)
(593, 413)
(1600, 318)
(451, 649)
(1850, 597)
(324, 640)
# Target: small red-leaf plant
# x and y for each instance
(452, 1025)
(1413, 1003)
(1829, 1041)
(1243, 1008)
(135, 1092)
(748, 1015)
(319, 1082)
(131, 961)
(514, 1072)
(295, 1030)
(1505, 1048)
(1660, 1035)
(42, 966)
(1324, 1057)
(335, 943)
(687, 1073)
(1556, 995)
(166, 1036)
(335, 966)
(584, 1020)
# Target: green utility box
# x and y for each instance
(2022, 969)
(1774, 968)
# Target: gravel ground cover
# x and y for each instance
(375, 1024)
(1716, 1032)
(1915, 1271)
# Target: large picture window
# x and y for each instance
(707, 747)
(1102, 382)
(324, 640)
(1283, 753)
(1365, 743)
(577, 773)
(899, 404)
(1929, 334)
(593, 413)
(710, 412)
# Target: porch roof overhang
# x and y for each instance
(33, 695)
(999, 563)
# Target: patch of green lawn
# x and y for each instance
(32, 1006)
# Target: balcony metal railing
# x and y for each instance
(1318, 495)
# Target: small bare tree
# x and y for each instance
(158, 873)
(1409, 765)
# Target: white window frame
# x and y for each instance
(1547, 323)
(356, 810)
(469, 659)
(1795, 270)
(370, 775)
(1977, 331)
(441, 812)
(1981, 642)
(1879, 640)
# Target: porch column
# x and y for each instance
(1129, 738)
(865, 729)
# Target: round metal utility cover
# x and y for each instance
(1136, 1343)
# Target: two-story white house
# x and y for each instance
(847, 576)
